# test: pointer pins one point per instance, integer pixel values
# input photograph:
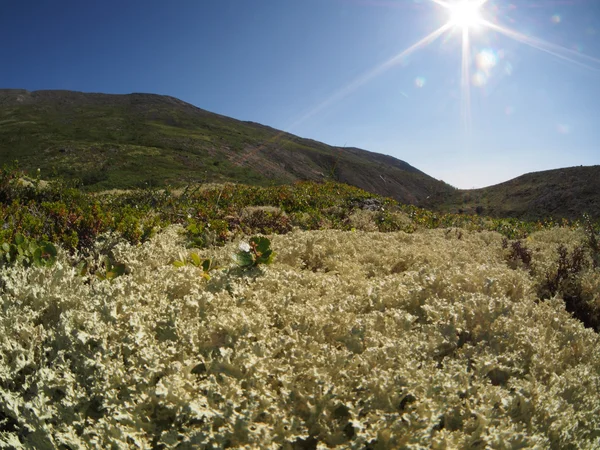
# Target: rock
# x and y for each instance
(369, 204)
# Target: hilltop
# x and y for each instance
(568, 193)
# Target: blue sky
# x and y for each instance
(311, 67)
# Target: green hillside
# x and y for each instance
(561, 193)
(124, 141)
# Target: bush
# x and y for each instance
(28, 252)
(264, 220)
(519, 253)
(566, 280)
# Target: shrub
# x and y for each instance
(257, 251)
(518, 253)
(264, 220)
(28, 252)
(566, 280)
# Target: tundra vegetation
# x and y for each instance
(300, 316)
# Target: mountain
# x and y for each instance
(124, 141)
(567, 192)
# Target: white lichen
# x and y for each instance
(422, 340)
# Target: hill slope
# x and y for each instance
(568, 192)
(133, 140)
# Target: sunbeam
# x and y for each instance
(543, 46)
(350, 88)
(466, 16)
(360, 81)
(466, 84)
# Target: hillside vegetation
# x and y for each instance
(300, 316)
(137, 140)
(568, 192)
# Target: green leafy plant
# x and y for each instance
(206, 265)
(112, 270)
(44, 255)
(257, 251)
(29, 252)
(205, 234)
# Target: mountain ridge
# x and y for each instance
(567, 192)
(102, 136)
(144, 139)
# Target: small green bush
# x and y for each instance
(28, 252)
(205, 265)
(112, 270)
(257, 251)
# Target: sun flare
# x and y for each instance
(465, 14)
(469, 20)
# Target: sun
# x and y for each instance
(468, 19)
(465, 14)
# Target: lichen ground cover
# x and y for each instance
(349, 339)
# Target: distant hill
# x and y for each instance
(568, 192)
(123, 141)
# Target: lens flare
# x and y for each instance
(466, 16)
(486, 60)
(563, 128)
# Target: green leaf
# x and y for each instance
(206, 265)
(19, 239)
(196, 259)
(113, 270)
(110, 275)
(266, 257)
(179, 263)
(244, 259)
(82, 268)
(263, 244)
(6, 247)
(48, 251)
(119, 269)
(197, 241)
(37, 257)
(14, 251)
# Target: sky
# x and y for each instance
(515, 90)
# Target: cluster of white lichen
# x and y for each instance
(424, 340)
